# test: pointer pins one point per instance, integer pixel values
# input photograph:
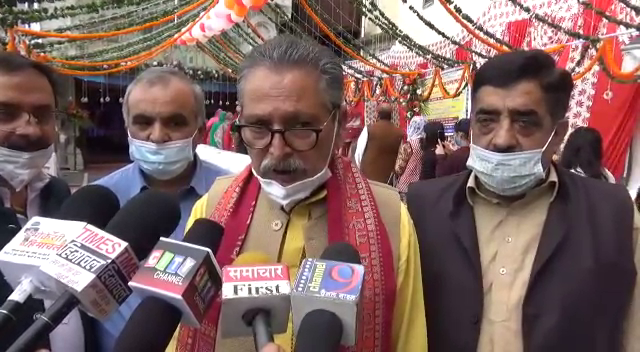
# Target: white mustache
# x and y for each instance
(290, 165)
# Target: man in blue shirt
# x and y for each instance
(164, 114)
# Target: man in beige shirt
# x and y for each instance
(518, 254)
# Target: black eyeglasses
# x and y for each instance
(13, 119)
(300, 139)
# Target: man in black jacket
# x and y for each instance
(27, 132)
(517, 254)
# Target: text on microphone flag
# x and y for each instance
(329, 279)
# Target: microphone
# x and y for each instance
(94, 268)
(255, 299)
(179, 281)
(331, 283)
(41, 238)
(320, 331)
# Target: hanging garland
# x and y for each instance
(283, 17)
(475, 25)
(11, 16)
(634, 8)
(606, 16)
(390, 26)
(444, 35)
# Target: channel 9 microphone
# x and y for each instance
(319, 331)
(255, 299)
(179, 281)
(332, 283)
(93, 269)
(43, 237)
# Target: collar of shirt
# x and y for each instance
(200, 182)
(33, 200)
(550, 183)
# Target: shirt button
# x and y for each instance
(276, 225)
(502, 271)
(509, 239)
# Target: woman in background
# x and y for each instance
(409, 163)
(582, 154)
(433, 135)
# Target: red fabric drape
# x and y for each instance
(464, 55)
(615, 119)
(517, 32)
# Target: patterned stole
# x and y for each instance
(353, 217)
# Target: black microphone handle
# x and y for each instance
(7, 314)
(46, 323)
(262, 333)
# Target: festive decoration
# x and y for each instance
(220, 18)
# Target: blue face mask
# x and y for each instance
(162, 161)
(457, 140)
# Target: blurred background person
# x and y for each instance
(582, 154)
(433, 136)
(409, 163)
(452, 157)
(383, 141)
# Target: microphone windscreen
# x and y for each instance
(138, 335)
(93, 204)
(205, 233)
(252, 258)
(341, 252)
(319, 331)
(144, 219)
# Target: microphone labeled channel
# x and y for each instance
(184, 274)
(331, 285)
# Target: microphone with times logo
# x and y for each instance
(93, 269)
(179, 281)
(255, 299)
(332, 283)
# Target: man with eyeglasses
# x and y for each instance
(27, 132)
(298, 196)
(164, 114)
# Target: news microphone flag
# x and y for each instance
(39, 239)
(332, 286)
(95, 266)
(182, 274)
(264, 287)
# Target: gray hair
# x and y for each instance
(286, 51)
(163, 75)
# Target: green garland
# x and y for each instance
(477, 26)
(290, 24)
(443, 35)
(239, 31)
(605, 69)
(577, 35)
(634, 8)
(390, 26)
(221, 55)
(226, 38)
(606, 16)
(13, 16)
(351, 41)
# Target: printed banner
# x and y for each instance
(447, 111)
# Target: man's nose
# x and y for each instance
(29, 128)
(159, 134)
(278, 146)
(504, 138)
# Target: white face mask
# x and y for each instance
(19, 168)
(288, 196)
(507, 174)
(162, 161)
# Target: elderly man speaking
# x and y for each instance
(297, 197)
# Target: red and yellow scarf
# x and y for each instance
(353, 218)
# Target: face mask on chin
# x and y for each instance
(162, 161)
(19, 168)
(289, 196)
(508, 174)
